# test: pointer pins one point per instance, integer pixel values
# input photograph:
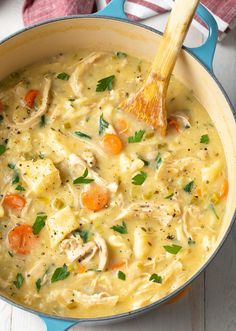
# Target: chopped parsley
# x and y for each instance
(188, 187)
(41, 156)
(212, 207)
(204, 139)
(121, 275)
(2, 149)
(155, 278)
(146, 163)
(140, 178)
(174, 249)
(138, 136)
(15, 178)
(19, 188)
(19, 280)
(60, 273)
(82, 179)
(105, 84)
(120, 228)
(103, 124)
(38, 284)
(158, 160)
(82, 135)
(83, 234)
(63, 76)
(39, 223)
(121, 55)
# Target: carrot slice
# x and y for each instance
(81, 269)
(21, 239)
(14, 201)
(95, 198)
(118, 265)
(112, 144)
(224, 189)
(121, 125)
(30, 97)
(174, 124)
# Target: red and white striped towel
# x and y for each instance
(35, 11)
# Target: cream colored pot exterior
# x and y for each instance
(107, 34)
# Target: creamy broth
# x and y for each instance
(99, 214)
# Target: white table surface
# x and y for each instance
(210, 304)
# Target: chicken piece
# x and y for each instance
(76, 249)
(129, 165)
(40, 175)
(211, 172)
(89, 158)
(163, 212)
(60, 225)
(140, 247)
(101, 298)
(103, 252)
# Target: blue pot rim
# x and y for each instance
(165, 299)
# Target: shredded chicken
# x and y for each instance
(89, 158)
(33, 120)
(102, 298)
(163, 212)
(103, 252)
(83, 67)
(189, 213)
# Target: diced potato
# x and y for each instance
(211, 172)
(20, 143)
(126, 164)
(140, 247)
(40, 175)
(57, 143)
(60, 225)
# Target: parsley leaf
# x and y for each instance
(60, 273)
(140, 178)
(121, 55)
(138, 136)
(82, 179)
(2, 149)
(120, 228)
(38, 284)
(204, 139)
(155, 278)
(19, 188)
(102, 125)
(121, 275)
(42, 121)
(63, 76)
(83, 234)
(174, 249)
(146, 163)
(19, 280)
(105, 84)
(82, 135)
(188, 187)
(158, 160)
(39, 223)
(15, 178)
(212, 207)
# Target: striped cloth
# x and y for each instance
(35, 11)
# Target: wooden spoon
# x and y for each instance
(149, 103)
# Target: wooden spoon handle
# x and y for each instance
(177, 26)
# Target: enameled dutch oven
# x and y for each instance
(110, 30)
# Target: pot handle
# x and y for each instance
(57, 325)
(204, 53)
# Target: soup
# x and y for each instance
(99, 214)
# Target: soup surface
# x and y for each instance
(99, 214)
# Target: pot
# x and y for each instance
(111, 30)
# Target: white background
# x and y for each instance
(210, 305)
